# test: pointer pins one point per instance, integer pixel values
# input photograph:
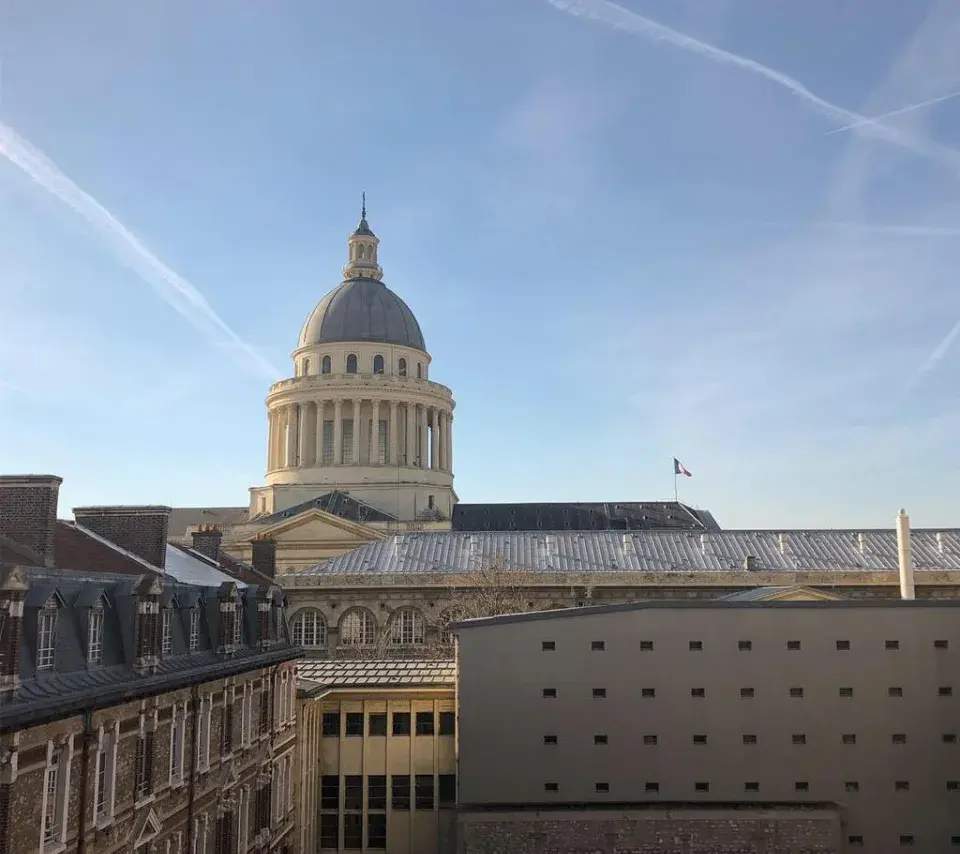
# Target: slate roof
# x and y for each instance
(337, 504)
(390, 673)
(442, 552)
(74, 685)
(581, 516)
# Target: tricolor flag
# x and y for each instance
(679, 469)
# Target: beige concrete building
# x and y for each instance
(377, 756)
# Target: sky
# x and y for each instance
(724, 231)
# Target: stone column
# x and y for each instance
(435, 441)
(411, 434)
(356, 431)
(375, 436)
(303, 433)
(392, 437)
(269, 440)
(424, 450)
(449, 455)
(337, 431)
(319, 434)
(442, 428)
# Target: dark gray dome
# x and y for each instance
(362, 310)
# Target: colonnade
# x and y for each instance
(391, 433)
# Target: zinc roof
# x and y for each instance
(397, 673)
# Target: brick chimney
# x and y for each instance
(28, 511)
(206, 540)
(141, 530)
(265, 557)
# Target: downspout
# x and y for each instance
(84, 767)
(195, 748)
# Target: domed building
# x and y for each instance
(360, 416)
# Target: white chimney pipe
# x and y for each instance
(903, 552)
(784, 543)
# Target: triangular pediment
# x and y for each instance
(801, 594)
(315, 525)
(146, 828)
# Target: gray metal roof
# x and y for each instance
(642, 551)
(362, 310)
(354, 673)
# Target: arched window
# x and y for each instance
(378, 364)
(445, 636)
(306, 367)
(325, 365)
(351, 364)
(309, 628)
(358, 628)
(402, 367)
(419, 371)
(407, 627)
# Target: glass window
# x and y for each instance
(47, 636)
(351, 364)
(407, 627)
(402, 367)
(95, 634)
(325, 365)
(378, 364)
(358, 628)
(309, 629)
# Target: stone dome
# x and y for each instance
(362, 309)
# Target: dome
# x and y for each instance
(362, 309)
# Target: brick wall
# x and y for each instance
(28, 510)
(684, 830)
(140, 530)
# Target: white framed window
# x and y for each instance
(246, 715)
(407, 627)
(243, 819)
(178, 731)
(203, 736)
(309, 628)
(278, 789)
(358, 628)
(288, 795)
(56, 793)
(47, 635)
(347, 441)
(95, 634)
(108, 738)
(238, 624)
(166, 628)
(200, 826)
(194, 629)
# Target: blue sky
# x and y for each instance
(622, 245)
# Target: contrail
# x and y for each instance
(908, 109)
(612, 15)
(176, 291)
(941, 350)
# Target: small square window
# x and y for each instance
(549, 692)
(448, 723)
(651, 787)
(646, 646)
(796, 692)
(945, 691)
(953, 785)
(330, 724)
(648, 692)
(901, 786)
(744, 646)
(699, 739)
(599, 693)
(548, 646)
(949, 738)
(746, 693)
(793, 644)
(751, 787)
(551, 787)
(802, 786)
(843, 644)
(549, 739)
(598, 646)
(749, 738)
(851, 786)
(701, 787)
(799, 738)
(899, 738)
(602, 788)
(895, 691)
(906, 839)
(849, 738)
(650, 739)
(698, 692)
(354, 723)
(424, 723)
(892, 644)
(401, 723)
(696, 646)
(599, 739)
(955, 840)
(846, 692)
(941, 644)
(855, 841)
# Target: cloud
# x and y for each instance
(175, 290)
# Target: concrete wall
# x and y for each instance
(785, 734)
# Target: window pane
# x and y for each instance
(377, 792)
(424, 792)
(424, 723)
(354, 723)
(353, 831)
(447, 789)
(331, 723)
(401, 723)
(353, 792)
(376, 831)
(330, 792)
(400, 792)
(377, 723)
(448, 723)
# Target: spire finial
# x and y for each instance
(363, 208)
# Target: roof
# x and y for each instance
(182, 519)
(13, 552)
(643, 551)
(655, 604)
(190, 567)
(77, 548)
(336, 503)
(581, 516)
(389, 673)
(362, 310)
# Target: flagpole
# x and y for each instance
(676, 491)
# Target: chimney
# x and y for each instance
(141, 530)
(903, 553)
(265, 557)
(13, 591)
(28, 511)
(750, 563)
(206, 540)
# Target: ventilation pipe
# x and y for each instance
(862, 543)
(706, 544)
(784, 543)
(903, 553)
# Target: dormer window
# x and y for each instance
(47, 635)
(95, 634)
(194, 629)
(166, 629)
(402, 367)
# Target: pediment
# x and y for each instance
(146, 828)
(315, 525)
(802, 594)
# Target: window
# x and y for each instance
(598, 646)
(892, 644)
(306, 367)
(353, 831)
(550, 692)
(600, 739)
(696, 646)
(899, 738)
(749, 738)
(401, 723)
(901, 786)
(351, 364)
(47, 636)
(358, 628)
(194, 629)
(651, 787)
(246, 715)
(424, 723)
(376, 831)
(143, 784)
(378, 364)
(848, 738)
(203, 740)
(95, 634)
(601, 788)
(744, 646)
(648, 693)
(855, 841)
(52, 802)
(325, 365)
(377, 723)
(906, 839)
(945, 691)
(353, 792)
(949, 738)
(400, 792)
(801, 787)
(941, 644)
(799, 738)
(402, 367)
(699, 739)
(746, 692)
(330, 831)
(353, 724)
(548, 646)
(101, 784)
(843, 644)
(238, 624)
(895, 691)
(166, 636)
(330, 724)
(329, 792)
(796, 692)
(698, 692)
(953, 785)
(377, 792)
(751, 787)
(327, 456)
(701, 787)
(346, 447)
(650, 739)
(549, 739)
(646, 646)
(793, 645)
(448, 723)
(178, 728)
(599, 693)
(551, 787)
(851, 786)
(447, 789)
(846, 692)
(419, 371)
(423, 794)
(407, 628)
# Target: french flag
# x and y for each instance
(679, 469)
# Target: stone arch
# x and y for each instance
(408, 627)
(309, 628)
(358, 627)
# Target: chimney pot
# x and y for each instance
(265, 557)
(140, 529)
(206, 540)
(28, 511)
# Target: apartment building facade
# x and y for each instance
(813, 726)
